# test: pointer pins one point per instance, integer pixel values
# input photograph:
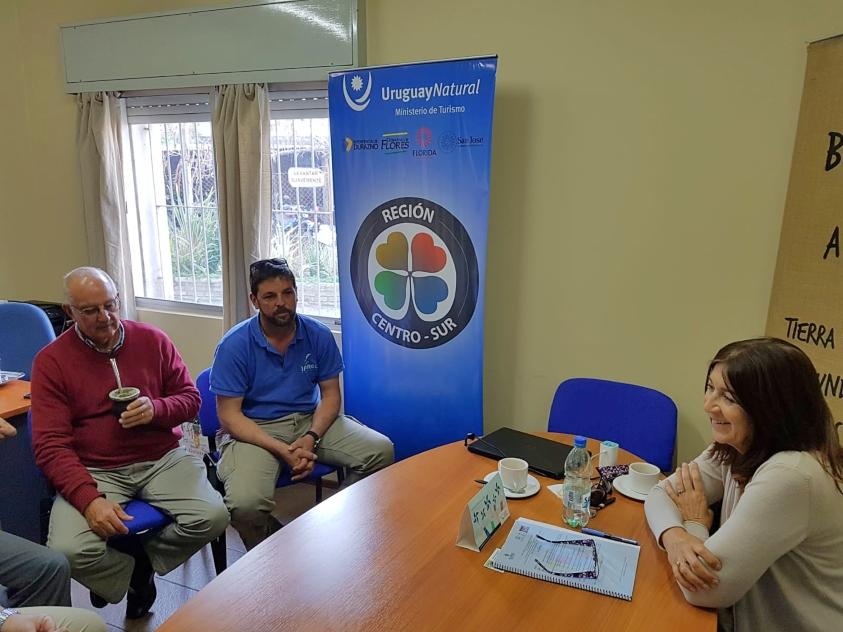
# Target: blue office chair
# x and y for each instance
(24, 331)
(210, 423)
(640, 419)
(145, 519)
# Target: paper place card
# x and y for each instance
(556, 490)
(193, 440)
(483, 515)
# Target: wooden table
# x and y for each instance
(380, 555)
(11, 398)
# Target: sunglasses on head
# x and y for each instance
(268, 263)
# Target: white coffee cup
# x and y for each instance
(513, 473)
(643, 477)
(608, 453)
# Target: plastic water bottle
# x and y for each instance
(576, 492)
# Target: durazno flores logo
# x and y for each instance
(414, 273)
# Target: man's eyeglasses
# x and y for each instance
(111, 307)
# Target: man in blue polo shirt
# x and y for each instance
(276, 378)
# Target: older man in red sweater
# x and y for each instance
(97, 461)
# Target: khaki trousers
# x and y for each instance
(250, 472)
(177, 484)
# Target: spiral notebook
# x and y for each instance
(570, 558)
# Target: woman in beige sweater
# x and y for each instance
(776, 561)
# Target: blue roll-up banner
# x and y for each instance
(411, 149)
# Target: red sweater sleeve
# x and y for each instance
(52, 436)
(180, 400)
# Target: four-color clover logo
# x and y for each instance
(414, 272)
(409, 274)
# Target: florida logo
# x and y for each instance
(414, 273)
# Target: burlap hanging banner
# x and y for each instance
(806, 305)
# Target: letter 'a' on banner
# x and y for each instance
(411, 152)
(806, 303)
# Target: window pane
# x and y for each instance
(303, 228)
(175, 230)
(178, 224)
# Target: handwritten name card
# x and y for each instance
(484, 514)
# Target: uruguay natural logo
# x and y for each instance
(360, 91)
(414, 273)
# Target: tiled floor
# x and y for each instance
(178, 586)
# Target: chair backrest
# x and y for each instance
(37, 488)
(642, 420)
(24, 331)
(208, 410)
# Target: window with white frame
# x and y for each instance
(174, 223)
(172, 197)
(303, 228)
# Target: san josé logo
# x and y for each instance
(361, 91)
(414, 272)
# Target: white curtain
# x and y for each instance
(99, 143)
(241, 151)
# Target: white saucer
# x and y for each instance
(621, 483)
(532, 488)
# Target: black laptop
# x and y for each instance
(545, 457)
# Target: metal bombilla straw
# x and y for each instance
(116, 373)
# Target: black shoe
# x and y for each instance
(142, 591)
(274, 526)
(140, 599)
(139, 603)
(97, 601)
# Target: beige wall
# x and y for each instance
(195, 336)
(641, 156)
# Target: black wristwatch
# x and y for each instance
(316, 438)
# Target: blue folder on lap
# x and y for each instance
(145, 516)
